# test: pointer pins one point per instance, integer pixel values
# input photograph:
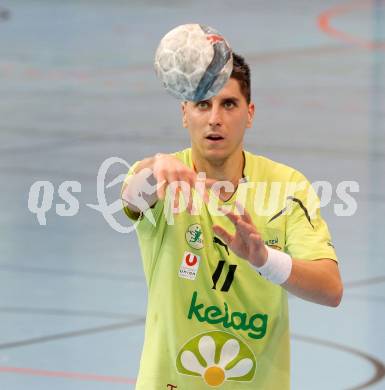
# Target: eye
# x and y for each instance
(203, 105)
(229, 104)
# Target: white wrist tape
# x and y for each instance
(277, 268)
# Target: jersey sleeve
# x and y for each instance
(307, 234)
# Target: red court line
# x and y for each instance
(68, 375)
(324, 24)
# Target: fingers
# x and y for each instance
(244, 226)
(243, 217)
(243, 212)
(246, 231)
(171, 173)
(176, 198)
(230, 215)
(223, 234)
(185, 184)
(172, 185)
(167, 170)
(186, 192)
(161, 185)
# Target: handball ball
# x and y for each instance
(193, 62)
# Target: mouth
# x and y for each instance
(214, 137)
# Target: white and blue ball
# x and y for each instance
(193, 62)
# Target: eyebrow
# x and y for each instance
(233, 98)
(223, 100)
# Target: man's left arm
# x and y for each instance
(318, 281)
(315, 280)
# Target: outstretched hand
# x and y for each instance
(169, 171)
(247, 241)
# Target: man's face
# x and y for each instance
(217, 125)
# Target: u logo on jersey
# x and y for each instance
(189, 266)
(191, 259)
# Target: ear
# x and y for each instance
(250, 114)
(184, 115)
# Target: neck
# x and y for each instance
(230, 169)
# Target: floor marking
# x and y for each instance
(67, 375)
(378, 365)
(324, 24)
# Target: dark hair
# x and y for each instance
(241, 72)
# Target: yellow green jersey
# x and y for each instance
(212, 320)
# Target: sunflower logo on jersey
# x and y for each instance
(194, 236)
(217, 357)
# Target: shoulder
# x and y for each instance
(262, 168)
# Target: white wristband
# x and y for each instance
(277, 268)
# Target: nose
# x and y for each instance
(215, 116)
